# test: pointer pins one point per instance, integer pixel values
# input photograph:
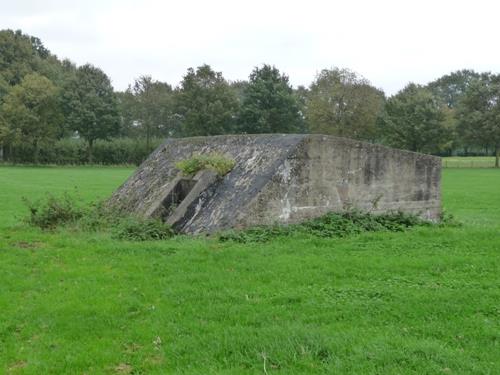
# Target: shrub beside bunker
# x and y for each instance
(69, 211)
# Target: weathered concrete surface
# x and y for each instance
(285, 179)
(194, 199)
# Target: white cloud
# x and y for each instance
(389, 42)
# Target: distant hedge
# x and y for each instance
(74, 152)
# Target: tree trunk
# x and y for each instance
(90, 154)
(36, 151)
(1, 153)
(497, 156)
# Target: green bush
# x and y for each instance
(330, 225)
(54, 211)
(100, 217)
(217, 162)
(135, 229)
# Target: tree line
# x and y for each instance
(51, 107)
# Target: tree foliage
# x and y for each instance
(269, 104)
(414, 120)
(451, 88)
(205, 103)
(21, 54)
(31, 111)
(43, 99)
(90, 105)
(342, 103)
(150, 106)
(479, 113)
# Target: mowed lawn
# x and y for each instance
(422, 302)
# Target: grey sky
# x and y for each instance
(388, 42)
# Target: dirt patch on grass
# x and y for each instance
(123, 368)
(17, 366)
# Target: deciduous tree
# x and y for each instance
(342, 103)
(31, 112)
(205, 103)
(152, 107)
(269, 104)
(479, 113)
(90, 105)
(451, 88)
(414, 120)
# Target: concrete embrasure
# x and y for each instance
(194, 199)
(280, 178)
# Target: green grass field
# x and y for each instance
(422, 302)
(468, 162)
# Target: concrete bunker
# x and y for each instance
(279, 178)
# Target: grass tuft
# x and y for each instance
(217, 162)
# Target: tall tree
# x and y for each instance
(17, 56)
(21, 54)
(479, 113)
(414, 120)
(451, 88)
(342, 103)
(126, 109)
(90, 106)
(152, 107)
(4, 88)
(269, 104)
(31, 111)
(205, 103)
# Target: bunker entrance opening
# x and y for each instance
(178, 193)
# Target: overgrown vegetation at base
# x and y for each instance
(133, 229)
(217, 162)
(68, 211)
(54, 211)
(329, 226)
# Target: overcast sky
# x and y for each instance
(388, 42)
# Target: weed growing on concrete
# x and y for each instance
(217, 162)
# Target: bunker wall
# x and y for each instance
(334, 174)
